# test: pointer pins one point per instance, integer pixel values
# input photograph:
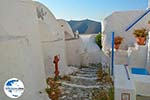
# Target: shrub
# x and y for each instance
(53, 89)
(140, 32)
(111, 93)
(98, 39)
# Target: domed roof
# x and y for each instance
(48, 25)
(66, 28)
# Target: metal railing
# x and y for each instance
(112, 58)
(127, 72)
(147, 11)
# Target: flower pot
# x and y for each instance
(53, 96)
(141, 40)
(116, 46)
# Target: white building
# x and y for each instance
(30, 37)
(74, 45)
(127, 82)
(21, 52)
(52, 41)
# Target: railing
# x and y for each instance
(147, 11)
(127, 72)
(112, 58)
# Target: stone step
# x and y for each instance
(65, 84)
(82, 81)
(86, 78)
(87, 75)
(77, 92)
(89, 67)
(87, 72)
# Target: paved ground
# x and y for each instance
(142, 98)
(81, 85)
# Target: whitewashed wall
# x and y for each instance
(74, 46)
(117, 22)
(21, 55)
(52, 39)
(137, 57)
(74, 49)
(92, 53)
(148, 55)
(66, 28)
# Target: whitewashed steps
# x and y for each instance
(87, 72)
(83, 81)
(81, 84)
(87, 75)
(79, 77)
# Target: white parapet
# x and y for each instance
(148, 54)
(121, 57)
(137, 56)
(124, 88)
(142, 83)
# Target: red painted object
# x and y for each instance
(56, 60)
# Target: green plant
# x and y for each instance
(98, 40)
(140, 32)
(103, 94)
(100, 95)
(106, 92)
(111, 93)
(104, 77)
(53, 89)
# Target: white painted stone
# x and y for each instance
(122, 84)
(21, 55)
(121, 57)
(142, 82)
(148, 55)
(80, 86)
(137, 57)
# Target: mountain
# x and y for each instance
(85, 26)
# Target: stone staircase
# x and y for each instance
(81, 84)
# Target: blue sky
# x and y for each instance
(91, 9)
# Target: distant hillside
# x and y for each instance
(85, 26)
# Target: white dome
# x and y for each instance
(66, 28)
(48, 25)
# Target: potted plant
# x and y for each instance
(117, 41)
(140, 35)
(52, 89)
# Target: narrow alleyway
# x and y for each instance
(81, 84)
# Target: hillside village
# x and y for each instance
(56, 63)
